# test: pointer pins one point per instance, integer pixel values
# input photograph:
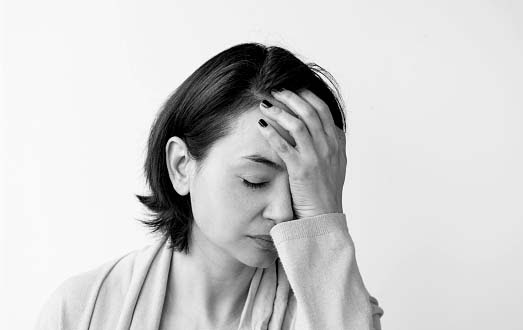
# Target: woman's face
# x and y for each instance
(227, 211)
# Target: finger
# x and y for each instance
(342, 142)
(295, 126)
(342, 137)
(286, 152)
(307, 113)
(323, 110)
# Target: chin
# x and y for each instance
(261, 260)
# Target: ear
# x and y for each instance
(178, 161)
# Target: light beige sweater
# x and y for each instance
(314, 284)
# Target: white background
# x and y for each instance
(434, 93)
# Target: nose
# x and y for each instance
(279, 207)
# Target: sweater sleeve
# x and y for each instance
(318, 257)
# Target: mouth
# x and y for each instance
(263, 243)
(263, 237)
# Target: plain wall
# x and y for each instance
(434, 183)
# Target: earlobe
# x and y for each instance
(177, 161)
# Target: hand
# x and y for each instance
(317, 165)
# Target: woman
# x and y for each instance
(246, 164)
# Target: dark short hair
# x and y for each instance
(202, 110)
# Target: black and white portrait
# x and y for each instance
(261, 165)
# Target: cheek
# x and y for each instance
(237, 208)
(240, 198)
(238, 217)
(225, 214)
(224, 208)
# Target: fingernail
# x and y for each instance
(262, 123)
(266, 104)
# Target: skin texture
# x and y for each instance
(208, 287)
(318, 162)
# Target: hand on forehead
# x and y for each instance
(283, 132)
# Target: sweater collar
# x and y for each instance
(264, 307)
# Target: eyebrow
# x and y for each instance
(257, 158)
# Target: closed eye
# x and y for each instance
(254, 185)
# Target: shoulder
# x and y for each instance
(73, 300)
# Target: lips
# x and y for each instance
(265, 242)
(264, 237)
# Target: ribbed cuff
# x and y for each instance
(309, 227)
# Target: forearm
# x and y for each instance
(318, 256)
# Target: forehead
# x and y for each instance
(246, 139)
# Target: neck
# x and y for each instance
(208, 284)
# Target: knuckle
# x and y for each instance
(308, 172)
(282, 147)
(323, 107)
(312, 164)
(307, 113)
(329, 152)
(270, 133)
(299, 126)
(301, 173)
